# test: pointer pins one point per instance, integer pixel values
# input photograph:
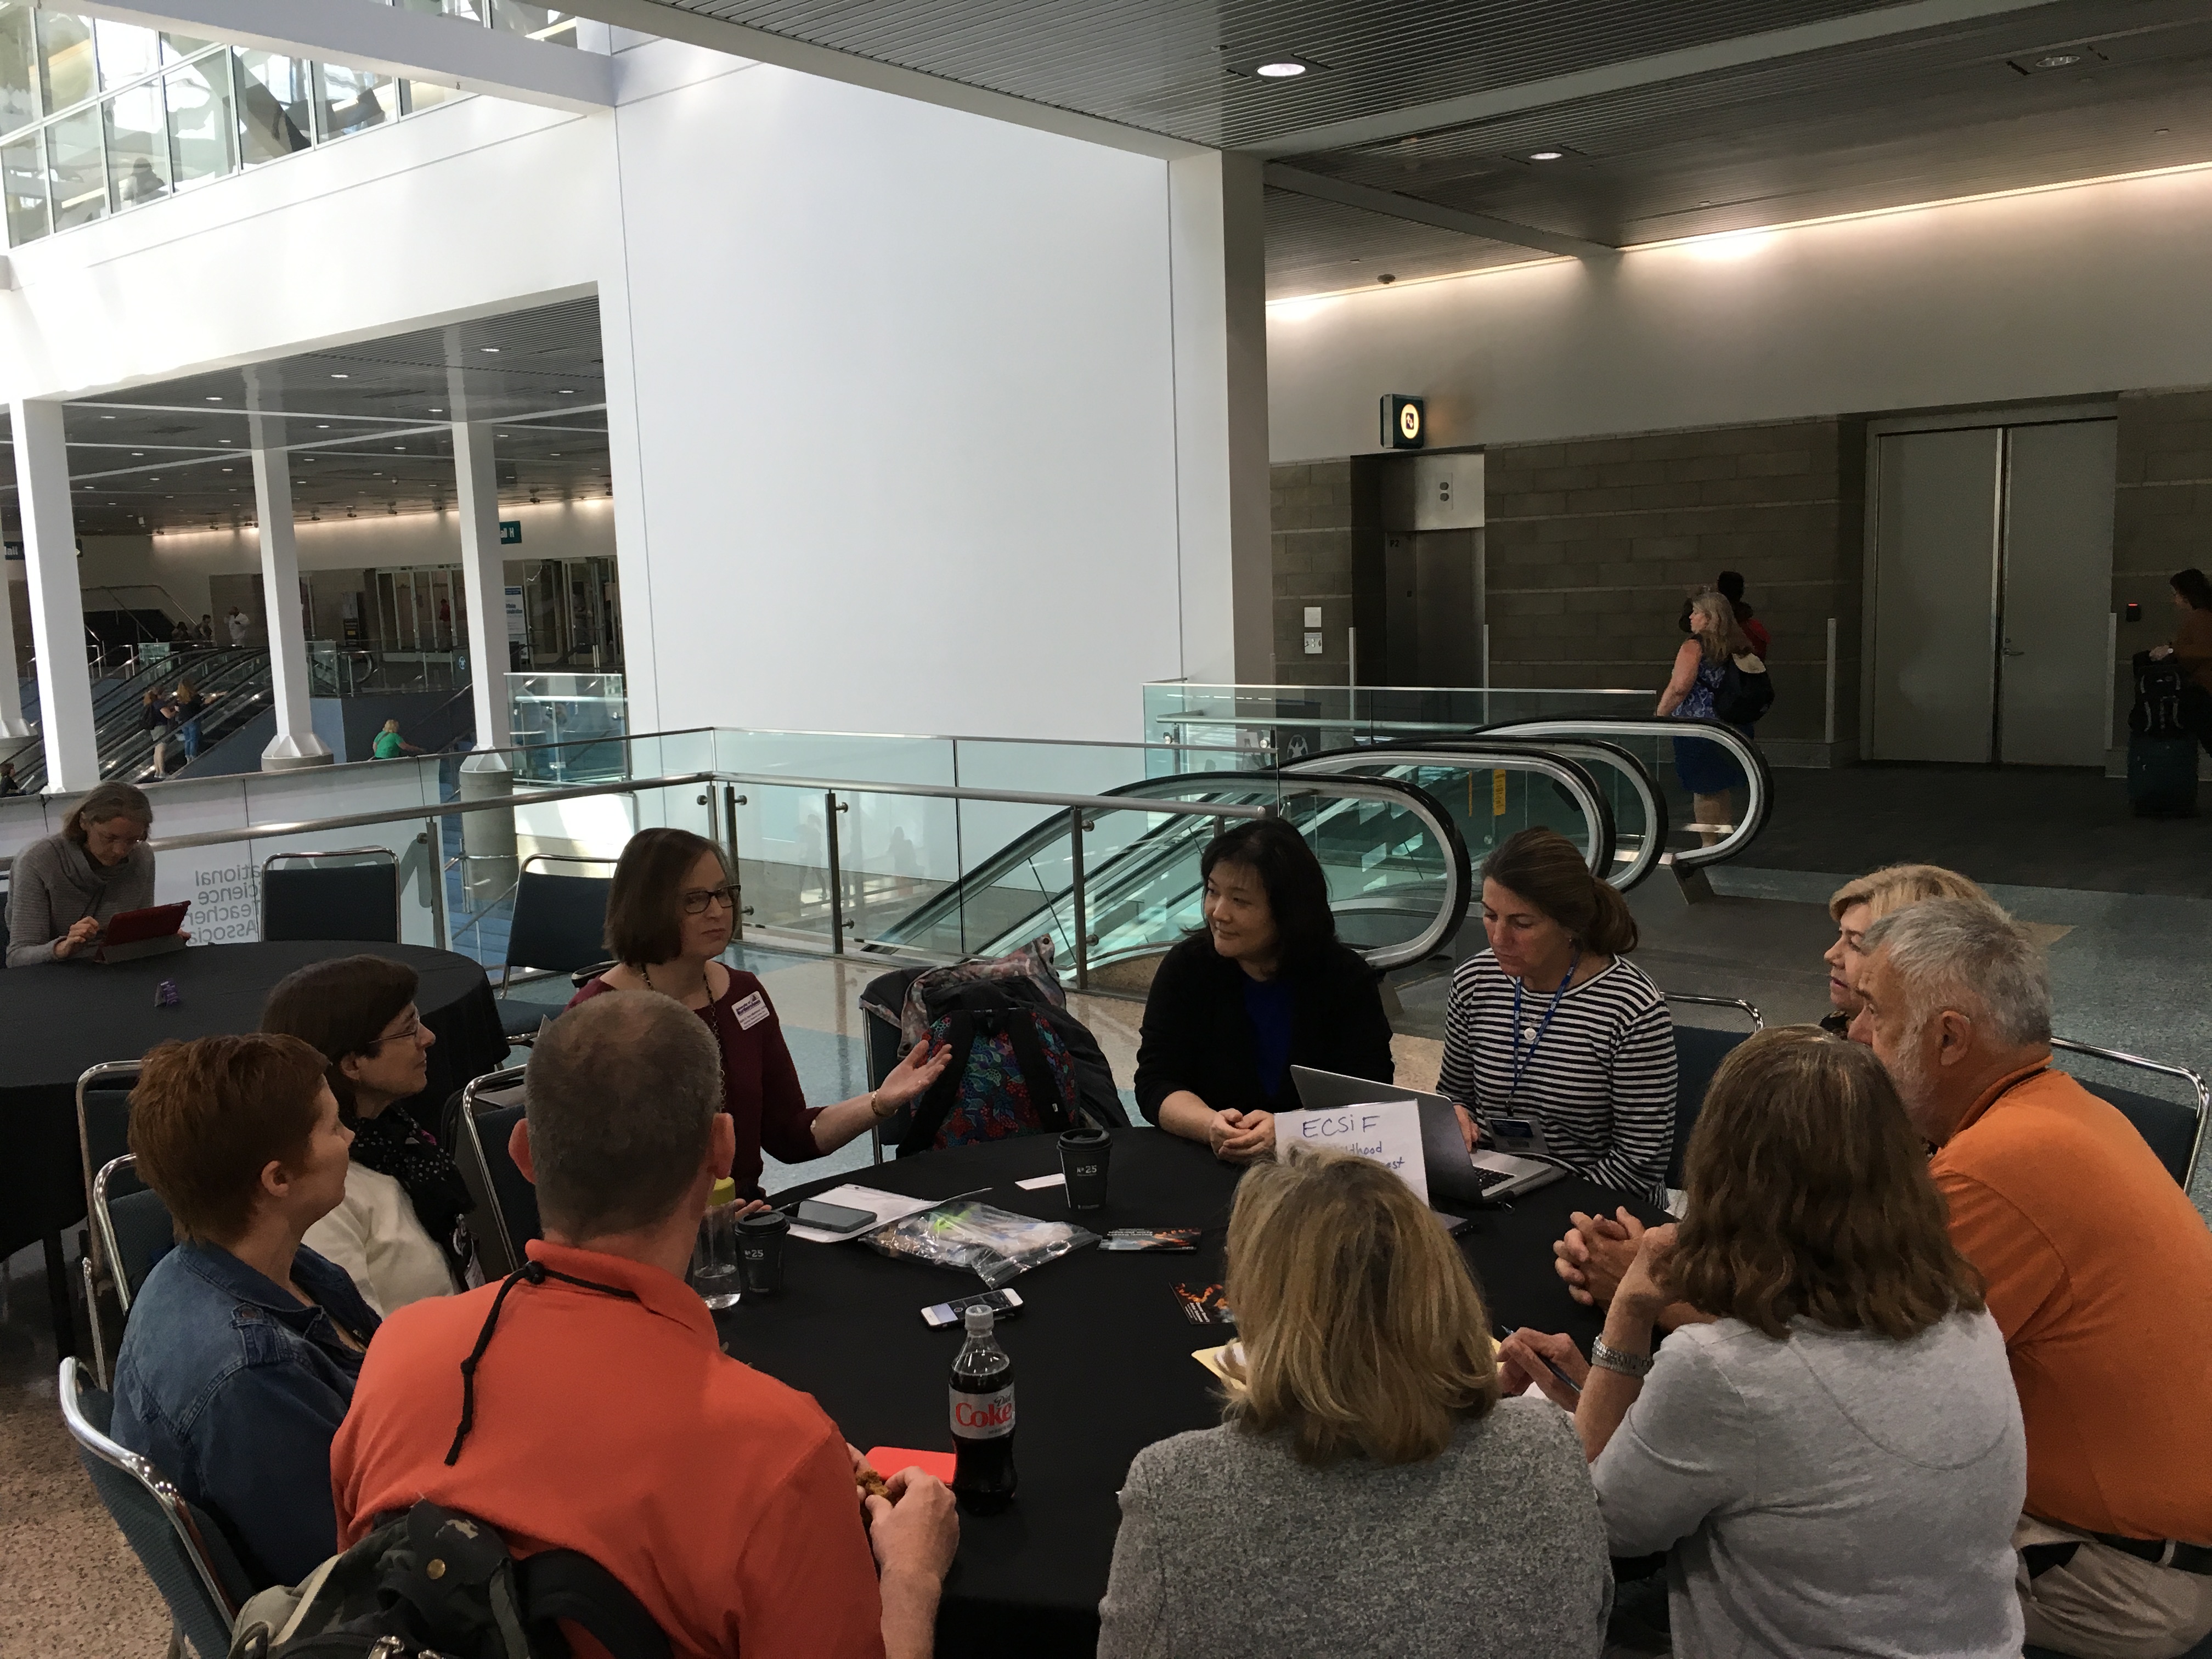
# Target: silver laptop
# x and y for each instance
(1488, 1177)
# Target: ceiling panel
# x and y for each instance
(1315, 247)
(367, 426)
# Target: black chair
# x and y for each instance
(183, 1553)
(133, 1227)
(491, 1106)
(1698, 1052)
(103, 1139)
(559, 925)
(2174, 1130)
(354, 900)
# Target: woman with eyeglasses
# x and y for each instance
(671, 913)
(399, 1231)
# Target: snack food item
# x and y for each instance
(871, 1484)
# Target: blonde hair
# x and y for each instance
(1362, 1330)
(1896, 885)
(1714, 625)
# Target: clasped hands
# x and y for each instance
(1239, 1137)
(1620, 1262)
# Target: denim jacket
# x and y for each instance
(233, 1390)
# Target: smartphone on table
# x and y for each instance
(1006, 1304)
(832, 1218)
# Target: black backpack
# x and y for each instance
(433, 1584)
(2157, 711)
(1744, 695)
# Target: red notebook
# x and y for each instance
(888, 1461)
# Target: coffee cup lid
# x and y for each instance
(767, 1221)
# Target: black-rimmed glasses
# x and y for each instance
(698, 898)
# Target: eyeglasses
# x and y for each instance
(697, 901)
(408, 1033)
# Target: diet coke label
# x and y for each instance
(983, 1416)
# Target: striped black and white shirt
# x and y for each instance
(1602, 1081)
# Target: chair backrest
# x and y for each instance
(353, 901)
(882, 1054)
(560, 921)
(133, 1227)
(103, 1120)
(1698, 1052)
(490, 1108)
(183, 1552)
(2174, 1129)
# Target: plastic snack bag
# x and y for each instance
(996, 1245)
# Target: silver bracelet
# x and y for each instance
(1613, 1360)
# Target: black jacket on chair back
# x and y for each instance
(1198, 1037)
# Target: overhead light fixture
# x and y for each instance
(566, 392)
(107, 417)
(1543, 155)
(437, 412)
(1548, 155)
(487, 348)
(1273, 66)
(341, 377)
(2057, 59)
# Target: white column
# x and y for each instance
(1217, 266)
(296, 744)
(12, 723)
(484, 574)
(42, 493)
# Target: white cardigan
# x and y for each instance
(376, 1236)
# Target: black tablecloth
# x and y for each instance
(58, 1020)
(1101, 1357)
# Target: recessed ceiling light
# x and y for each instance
(399, 449)
(136, 454)
(322, 428)
(1272, 66)
(215, 400)
(565, 392)
(341, 377)
(487, 348)
(437, 412)
(2058, 60)
(1548, 155)
(557, 454)
(107, 417)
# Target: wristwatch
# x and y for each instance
(1613, 1360)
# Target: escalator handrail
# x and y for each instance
(1514, 752)
(1759, 794)
(1266, 785)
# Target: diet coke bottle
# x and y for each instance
(983, 1418)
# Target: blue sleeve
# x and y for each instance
(263, 1444)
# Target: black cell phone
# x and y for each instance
(1003, 1304)
(832, 1218)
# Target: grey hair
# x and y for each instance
(1957, 953)
(621, 1092)
(105, 801)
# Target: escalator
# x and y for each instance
(238, 684)
(1398, 826)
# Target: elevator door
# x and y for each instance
(2052, 676)
(1934, 662)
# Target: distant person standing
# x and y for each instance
(190, 704)
(157, 714)
(8, 784)
(206, 629)
(2192, 651)
(1706, 770)
(390, 745)
(240, 624)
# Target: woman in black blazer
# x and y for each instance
(1266, 986)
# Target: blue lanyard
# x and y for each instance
(1521, 1066)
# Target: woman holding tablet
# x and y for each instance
(65, 889)
(1551, 1024)
(1266, 986)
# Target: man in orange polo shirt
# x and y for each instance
(2099, 1273)
(586, 1403)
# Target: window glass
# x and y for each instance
(538, 23)
(65, 58)
(428, 94)
(175, 48)
(74, 166)
(19, 69)
(273, 102)
(200, 120)
(23, 176)
(127, 52)
(469, 10)
(137, 146)
(353, 100)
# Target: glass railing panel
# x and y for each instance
(1300, 720)
(860, 757)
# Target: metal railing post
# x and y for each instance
(731, 801)
(1082, 918)
(434, 866)
(836, 873)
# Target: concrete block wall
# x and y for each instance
(1593, 544)
(2161, 523)
(1327, 520)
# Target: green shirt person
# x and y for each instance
(390, 745)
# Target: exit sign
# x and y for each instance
(510, 531)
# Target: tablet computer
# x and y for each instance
(144, 933)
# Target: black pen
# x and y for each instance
(1573, 1387)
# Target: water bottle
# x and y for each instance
(715, 1261)
(983, 1418)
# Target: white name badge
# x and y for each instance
(751, 1012)
(1388, 1131)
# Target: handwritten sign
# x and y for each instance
(1388, 1131)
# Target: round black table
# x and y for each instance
(1102, 1356)
(58, 1020)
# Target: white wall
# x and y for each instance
(2053, 294)
(905, 404)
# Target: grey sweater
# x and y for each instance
(54, 884)
(1230, 1548)
(1830, 1493)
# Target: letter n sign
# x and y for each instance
(1405, 421)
